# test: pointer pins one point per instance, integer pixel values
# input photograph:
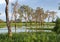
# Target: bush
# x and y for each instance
(57, 26)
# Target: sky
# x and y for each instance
(45, 4)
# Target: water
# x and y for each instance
(5, 29)
(21, 29)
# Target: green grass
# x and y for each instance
(31, 37)
(25, 24)
(2, 25)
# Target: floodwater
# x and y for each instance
(21, 29)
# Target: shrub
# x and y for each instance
(57, 26)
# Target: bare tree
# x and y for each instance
(52, 14)
(40, 13)
(15, 11)
(7, 19)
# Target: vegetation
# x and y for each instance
(30, 37)
(20, 24)
(32, 18)
(57, 26)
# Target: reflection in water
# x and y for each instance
(21, 29)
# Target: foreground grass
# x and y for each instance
(31, 37)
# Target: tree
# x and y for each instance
(59, 6)
(7, 19)
(39, 13)
(24, 10)
(52, 14)
(20, 13)
(15, 11)
(57, 26)
(29, 15)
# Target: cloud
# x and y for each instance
(2, 1)
(3, 16)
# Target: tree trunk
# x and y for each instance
(36, 24)
(15, 22)
(48, 21)
(7, 19)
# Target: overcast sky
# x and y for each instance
(45, 4)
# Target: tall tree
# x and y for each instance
(29, 16)
(15, 11)
(48, 15)
(52, 14)
(7, 19)
(26, 11)
(40, 12)
(21, 14)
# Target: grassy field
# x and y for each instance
(25, 24)
(31, 37)
(2, 25)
